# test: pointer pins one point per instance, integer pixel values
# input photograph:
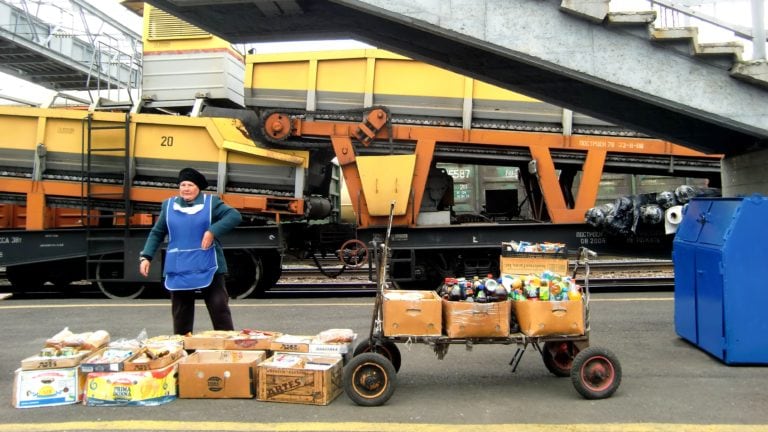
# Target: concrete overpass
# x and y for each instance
(611, 66)
(36, 48)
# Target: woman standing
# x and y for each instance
(194, 260)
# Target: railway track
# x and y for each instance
(369, 288)
(613, 275)
(344, 289)
(597, 268)
(304, 279)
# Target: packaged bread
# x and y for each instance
(336, 336)
(87, 341)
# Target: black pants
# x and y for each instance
(216, 300)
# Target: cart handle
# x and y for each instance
(586, 253)
(389, 224)
(381, 272)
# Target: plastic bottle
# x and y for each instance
(469, 291)
(490, 289)
(481, 296)
(445, 289)
(501, 292)
(574, 293)
(455, 292)
(544, 291)
(555, 290)
(531, 288)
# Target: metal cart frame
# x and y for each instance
(370, 377)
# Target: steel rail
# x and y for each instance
(366, 287)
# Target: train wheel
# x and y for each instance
(386, 348)
(107, 272)
(558, 357)
(369, 379)
(245, 272)
(596, 373)
(61, 282)
(25, 277)
(272, 270)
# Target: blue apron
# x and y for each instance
(187, 266)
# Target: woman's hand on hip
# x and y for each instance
(207, 240)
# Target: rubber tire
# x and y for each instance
(386, 348)
(596, 373)
(555, 363)
(369, 379)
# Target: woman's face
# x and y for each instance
(188, 190)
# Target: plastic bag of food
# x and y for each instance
(336, 336)
(82, 341)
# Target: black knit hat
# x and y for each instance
(194, 176)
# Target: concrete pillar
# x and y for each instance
(745, 174)
(758, 29)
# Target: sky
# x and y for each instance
(731, 11)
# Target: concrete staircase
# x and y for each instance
(726, 55)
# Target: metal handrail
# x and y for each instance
(756, 35)
(741, 31)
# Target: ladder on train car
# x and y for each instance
(105, 258)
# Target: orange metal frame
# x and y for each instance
(38, 214)
(540, 146)
(425, 138)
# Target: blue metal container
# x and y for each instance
(720, 253)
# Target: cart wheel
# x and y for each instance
(596, 373)
(558, 357)
(386, 348)
(369, 379)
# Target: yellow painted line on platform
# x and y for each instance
(168, 304)
(375, 427)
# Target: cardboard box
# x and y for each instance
(522, 263)
(316, 380)
(291, 343)
(343, 351)
(132, 388)
(412, 313)
(47, 387)
(133, 363)
(42, 362)
(469, 319)
(331, 348)
(333, 341)
(229, 340)
(219, 374)
(106, 360)
(550, 318)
